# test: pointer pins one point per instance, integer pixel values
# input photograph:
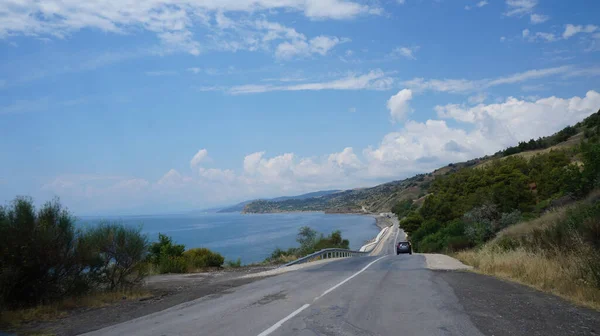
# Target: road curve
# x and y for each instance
(376, 295)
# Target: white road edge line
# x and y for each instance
(282, 321)
(299, 310)
(348, 279)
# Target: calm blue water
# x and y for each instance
(250, 237)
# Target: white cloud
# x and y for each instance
(415, 148)
(525, 33)
(420, 147)
(352, 109)
(538, 18)
(399, 106)
(526, 119)
(374, 80)
(401, 2)
(202, 155)
(571, 30)
(174, 22)
(477, 99)
(549, 37)
(300, 47)
(520, 7)
(465, 85)
(502, 38)
(531, 74)
(408, 52)
(478, 5)
(441, 85)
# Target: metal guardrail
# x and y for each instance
(327, 254)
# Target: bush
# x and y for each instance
(40, 258)
(164, 247)
(115, 254)
(281, 254)
(172, 264)
(203, 257)
(234, 264)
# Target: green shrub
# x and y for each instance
(278, 253)
(203, 257)
(234, 264)
(506, 243)
(458, 243)
(115, 254)
(164, 247)
(40, 260)
(172, 264)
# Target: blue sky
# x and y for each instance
(123, 107)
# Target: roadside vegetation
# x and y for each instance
(558, 252)
(310, 241)
(468, 207)
(48, 265)
(530, 218)
(166, 257)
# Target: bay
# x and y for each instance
(251, 237)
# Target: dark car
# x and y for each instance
(404, 247)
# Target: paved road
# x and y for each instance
(376, 295)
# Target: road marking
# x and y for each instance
(396, 239)
(347, 279)
(278, 324)
(299, 310)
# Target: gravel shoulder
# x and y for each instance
(443, 262)
(503, 308)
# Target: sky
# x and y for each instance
(158, 106)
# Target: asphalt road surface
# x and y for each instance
(376, 295)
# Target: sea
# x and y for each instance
(250, 237)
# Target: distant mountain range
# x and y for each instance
(380, 198)
(240, 206)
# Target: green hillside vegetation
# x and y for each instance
(364, 200)
(384, 197)
(558, 252)
(468, 207)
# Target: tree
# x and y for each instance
(164, 247)
(411, 223)
(115, 254)
(306, 237)
(401, 208)
(40, 260)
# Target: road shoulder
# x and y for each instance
(498, 307)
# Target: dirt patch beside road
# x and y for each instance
(167, 291)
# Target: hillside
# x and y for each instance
(376, 199)
(240, 206)
(383, 197)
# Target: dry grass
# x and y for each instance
(558, 271)
(14, 318)
(559, 275)
(572, 142)
(525, 228)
